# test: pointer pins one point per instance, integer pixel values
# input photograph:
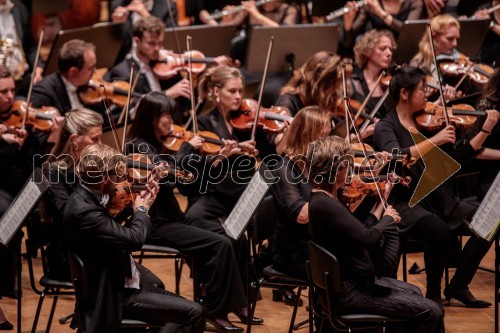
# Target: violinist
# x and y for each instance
(76, 65)
(358, 246)
(118, 287)
(291, 198)
(440, 214)
(129, 11)
(373, 54)
(15, 167)
(223, 290)
(81, 128)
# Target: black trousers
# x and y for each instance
(214, 261)
(152, 303)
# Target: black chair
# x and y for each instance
(80, 283)
(51, 287)
(262, 228)
(324, 278)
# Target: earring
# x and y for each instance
(217, 99)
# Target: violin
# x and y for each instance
(354, 107)
(379, 161)
(212, 143)
(115, 92)
(432, 117)
(40, 119)
(479, 73)
(358, 187)
(270, 119)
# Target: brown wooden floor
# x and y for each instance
(276, 315)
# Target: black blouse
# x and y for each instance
(291, 101)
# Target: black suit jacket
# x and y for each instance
(104, 246)
(51, 91)
(23, 27)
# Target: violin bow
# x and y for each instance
(347, 106)
(110, 117)
(262, 85)
(374, 111)
(33, 74)
(171, 18)
(127, 107)
(368, 97)
(440, 85)
(350, 118)
(132, 91)
(191, 91)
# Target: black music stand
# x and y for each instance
(107, 37)
(323, 8)
(472, 31)
(293, 44)
(210, 40)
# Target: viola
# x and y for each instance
(479, 73)
(212, 143)
(354, 107)
(433, 118)
(270, 119)
(40, 119)
(115, 92)
(358, 187)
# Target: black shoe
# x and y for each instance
(229, 328)
(286, 295)
(244, 318)
(6, 326)
(466, 297)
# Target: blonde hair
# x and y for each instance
(216, 77)
(98, 160)
(317, 81)
(327, 156)
(439, 25)
(79, 122)
(367, 42)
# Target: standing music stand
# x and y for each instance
(107, 37)
(293, 43)
(210, 40)
(473, 32)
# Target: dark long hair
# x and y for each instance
(405, 77)
(492, 90)
(150, 108)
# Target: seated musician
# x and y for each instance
(12, 177)
(440, 213)
(118, 286)
(213, 255)
(359, 247)
(76, 65)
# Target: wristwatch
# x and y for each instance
(142, 209)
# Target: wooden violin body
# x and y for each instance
(170, 64)
(479, 73)
(433, 118)
(40, 119)
(270, 119)
(115, 92)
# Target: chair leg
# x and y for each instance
(140, 257)
(294, 313)
(19, 296)
(405, 273)
(179, 262)
(37, 314)
(252, 304)
(51, 316)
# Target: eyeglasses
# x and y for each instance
(425, 89)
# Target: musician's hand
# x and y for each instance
(196, 142)
(225, 60)
(375, 8)
(390, 211)
(449, 93)
(248, 148)
(21, 133)
(181, 88)
(120, 15)
(251, 8)
(228, 148)
(491, 120)
(229, 18)
(481, 14)
(205, 18)
(3, 129)
(350, 16)
(139, 7)
(56, 129)
(148, 196)
(370, 129)
(13, 139)
(38, 74)
(434, 7)
(446, 135)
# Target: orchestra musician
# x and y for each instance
(440, 214)
(289, 250)
(81, 128)
(76, 65)
(222, 290)
(357, 244)
(130, 11)
(118, 286)
(15, 168)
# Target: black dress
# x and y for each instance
(334, 228)
(213, 254)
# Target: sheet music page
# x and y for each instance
(237, 221)
(486, 221)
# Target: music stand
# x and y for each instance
(293, 41)
(107, 37)
(49, 6)
(323, 8)
(210, 40)
(472, 31)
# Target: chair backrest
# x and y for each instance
(80, 284)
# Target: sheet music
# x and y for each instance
(237, 221)
(21, 206)
(486, 221)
